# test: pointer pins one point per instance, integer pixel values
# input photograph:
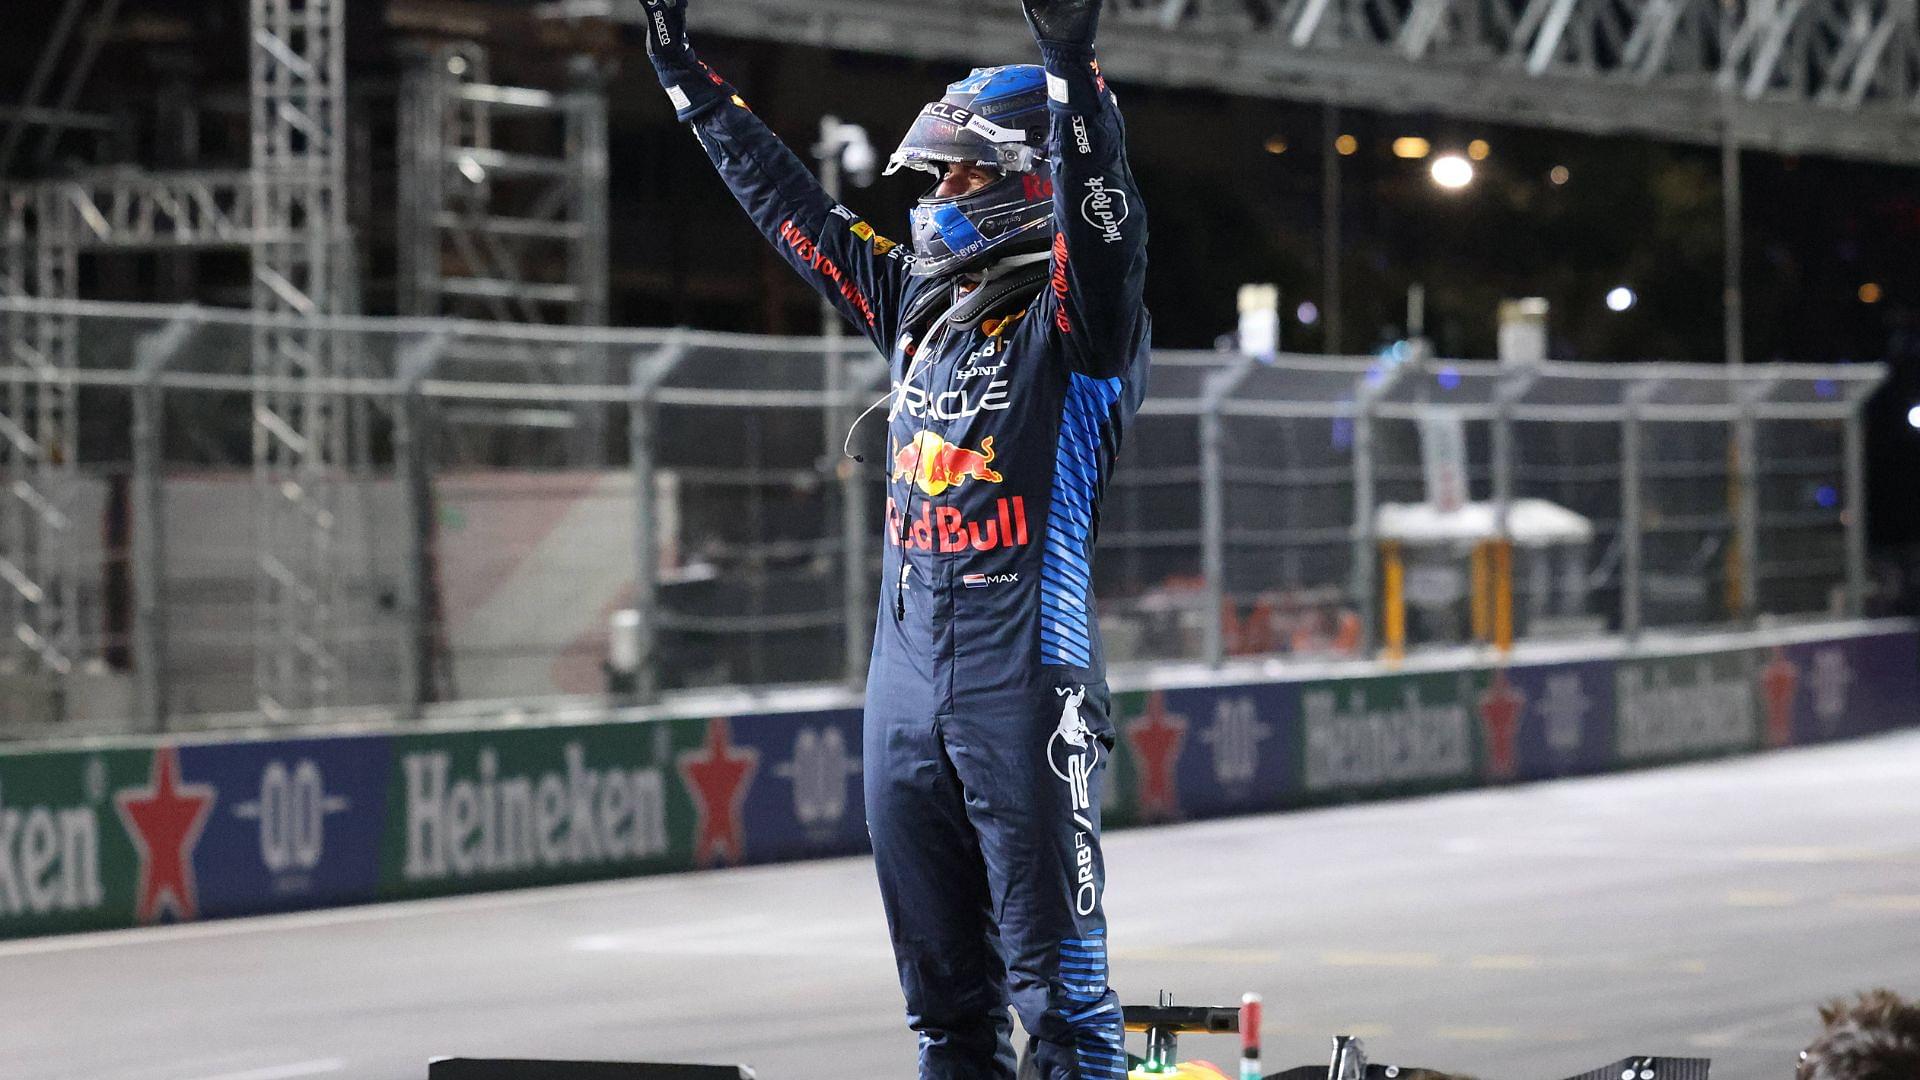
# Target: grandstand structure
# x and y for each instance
(500, 216)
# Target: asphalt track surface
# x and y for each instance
(1527, 932)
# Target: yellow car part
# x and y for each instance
(1185, 1070)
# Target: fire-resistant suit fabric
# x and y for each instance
(987, 726)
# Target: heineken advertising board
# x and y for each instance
(1541, 721)
(166, 833)
(498, 809)
(74, 831)
(287, 825)
(1395, 733)
(1845, 688)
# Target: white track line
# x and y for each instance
(1775, 1027)
(286, 1072)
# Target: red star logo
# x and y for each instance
(1155, 739)
(1501, 708)
(164, 822)
(718, 775)
(1778, 681)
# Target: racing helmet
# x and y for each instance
(997, 118)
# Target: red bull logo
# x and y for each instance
(946, 530)
(936, 464)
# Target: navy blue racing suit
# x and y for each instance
(987, 729)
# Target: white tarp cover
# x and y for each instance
(1530, 523)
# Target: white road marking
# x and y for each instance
(1476, 1034)
(746, 935)
(286, 1072)
(1817, 854)
(1745, 1033)
(1504, 962)
(1761, 898)
(693, 934)
(1880, 902)
(1360, 958)
(1630, 851)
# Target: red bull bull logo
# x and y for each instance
(946, 530)
(936, 464)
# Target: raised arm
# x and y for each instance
(862, 273)
(1100, 240)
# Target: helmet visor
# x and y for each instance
(1011, 215)
(947, 134)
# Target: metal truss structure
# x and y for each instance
(47, 225)
(39, 257)
(139, 211)
(301, 265)
(498, 229)
(496, 226)
(39, 442)
(1837, 77)
(503, 215)
(287, 209)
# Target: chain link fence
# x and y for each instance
(497, 498)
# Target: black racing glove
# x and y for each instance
(1065, 31)
(1063, 22)
(691, 85)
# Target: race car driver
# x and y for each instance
(1018, 345)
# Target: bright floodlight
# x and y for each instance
(1913, 417)
(1621, 298)
(1453, 172)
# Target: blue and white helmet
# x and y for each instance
(996, 118)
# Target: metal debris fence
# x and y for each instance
(506, 492)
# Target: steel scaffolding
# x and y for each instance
(503, 215)
(287, 209)
(297, 88)
(1793, 76)
(38, 443)
(498, 229)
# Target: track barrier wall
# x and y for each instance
(134, 833)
